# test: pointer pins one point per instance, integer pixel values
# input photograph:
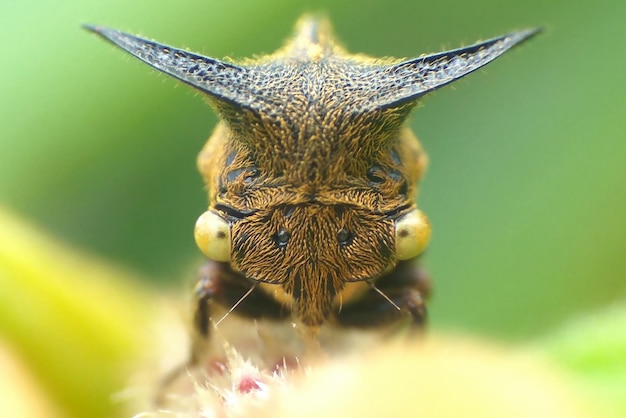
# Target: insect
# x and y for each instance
(312, 178)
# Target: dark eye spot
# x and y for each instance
(289, 210)
(395, 157)
(231, 157)
(395, 175)
(233, 174)
(404, 188)
(375, 174)
(252, 174)
(282, 237)
(339, 210)
(344, 236)
(248, 174)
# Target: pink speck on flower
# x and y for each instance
(247, 384)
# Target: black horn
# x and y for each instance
(409, 80)
(221, 80)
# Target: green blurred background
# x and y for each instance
(527, 184)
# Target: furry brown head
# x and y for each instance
(311, 167)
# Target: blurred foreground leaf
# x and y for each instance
(593, 349)
(79, 325)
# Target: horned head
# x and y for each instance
(316, 188)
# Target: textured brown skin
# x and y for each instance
(303, 167)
